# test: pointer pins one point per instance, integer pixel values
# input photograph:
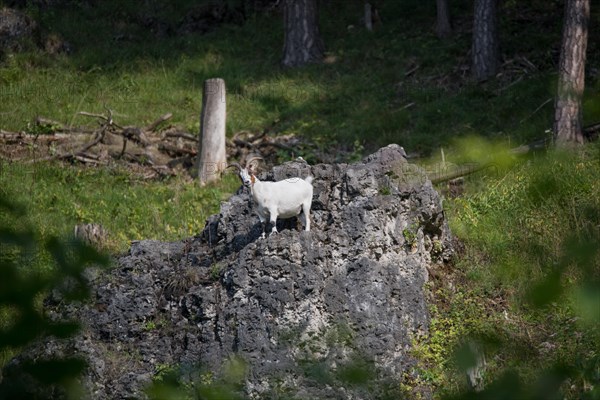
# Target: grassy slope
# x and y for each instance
(360, 97)
(538, 218)
(129, 208)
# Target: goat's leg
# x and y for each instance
(273, 214)
(306, 212)
(263, 225)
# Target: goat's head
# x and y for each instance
(247, 173)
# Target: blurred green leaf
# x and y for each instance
(466, 356)
(547, 290)
(587, 301)
(27, 274)
(358, 371)
(54, 371)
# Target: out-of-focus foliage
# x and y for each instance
(31, 267)
(537, 235)
(195, 383)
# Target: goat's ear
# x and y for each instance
(252, 164)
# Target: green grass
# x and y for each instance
(515, 224)
(58, 197)
(527, 282)
(522, 220)
(361, 95)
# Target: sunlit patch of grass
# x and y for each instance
(521, 221)
(129, 208)
(362, 95)
(538, 218)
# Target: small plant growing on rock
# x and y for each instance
(385, 191)
(182, 281)
(215, 271)
(150, 326)
(410, 237)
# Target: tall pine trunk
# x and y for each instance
(443, 28)
(571, 75)
(485, 39)
(303, 43)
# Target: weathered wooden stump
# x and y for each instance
(211, 152)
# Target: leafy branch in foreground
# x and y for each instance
(30, 268)
(540, 228)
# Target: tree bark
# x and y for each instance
(303, 43)
(485, 39)
(568, 118)
(368, 16)
(443, 28)
(213, 159)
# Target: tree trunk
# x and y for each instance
(368, 16)
(443, 29)
(303, 44)
(568, 119)
(211, 152)
(485, 39)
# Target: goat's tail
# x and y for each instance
(309, 179)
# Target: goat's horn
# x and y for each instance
(251, 160)
(234, 164)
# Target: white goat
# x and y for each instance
(283, 199)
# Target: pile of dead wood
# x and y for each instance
(153, 151)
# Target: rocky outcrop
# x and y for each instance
(19, 32)
(16, 30)
(301, 309)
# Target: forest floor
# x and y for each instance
(515, 223)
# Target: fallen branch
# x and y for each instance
(108, 119)
(88, 160)
(11, 135)
(540, 144)
(536, 110)
(529, 63)
(412, 70)
(152, 127)
(592, 132)
(473, 168)
(275, 144)
(79, 152)
(54, 124)
(240, 142)
(177, 150)
(136, 135)
(183, 135)
(250, 139)
(93, 115)
(180, 161)
(460, 172)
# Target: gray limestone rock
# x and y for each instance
(300, 308)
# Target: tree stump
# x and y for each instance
(211, 151)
